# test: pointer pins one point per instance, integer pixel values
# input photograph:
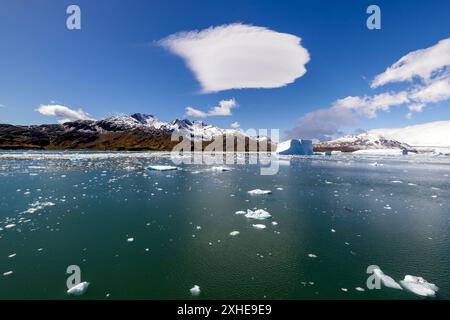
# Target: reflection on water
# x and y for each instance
(332, 217)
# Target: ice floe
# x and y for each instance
(312, 255)
(259, 214)
(161, 168)
(195, 290)
(7, 273)
(259, 192)
(220, 169)
(259, 226)
(419, 286)
(240, 212)
(386, 280)
(9, 226)
(234, 233)
(78, 289)
(36, 206)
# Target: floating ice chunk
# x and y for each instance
(344, 289)
(220, 169)
(280, 189)
(259, 214)
(12, 255)
(274, 223)
(234, 233)
(396, 181)
(7, 273)
(386, 280)
(195, 290)
(332, 230)
(360, 289)
(259, 226)
(240, 212)
(9, 226)
(312, 255)
(161, 168)
(419, 286)
(130, 239)
(259, 192)
(78, 289)
(376, 164)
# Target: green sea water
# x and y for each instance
(335, 216)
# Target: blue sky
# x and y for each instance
(114, 65)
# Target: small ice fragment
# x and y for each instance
(259, 226)
(359, 289)
(9, 226)
(259, 214)
(332, 230)
(419, 286)
(274, 223)
(280, 189)
(12, 255)
(240, 212)
(195, 290)
(78, 289)
(130, 239)
(344, 289)
(161, 168)
(7, 273)
(259, 192)
(220, 169)
(312, 255)
(234, 233)
(386, 280)
(396, 181)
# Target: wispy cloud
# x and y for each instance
(431, 68)
(63, 113)
(323, 124)
(221, 110)
(424, 64)
(238, 56)
(235, 125)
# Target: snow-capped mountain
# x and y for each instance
(431, 134)
(362, 141)
(123, 132)
(183, 127)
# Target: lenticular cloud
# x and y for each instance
(238, 56)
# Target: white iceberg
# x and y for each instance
(259, 192)
(295, 147)
(419, 286)
(195, 290)
(386, 280)
(259, 226)
(78, 289)
(161, 168)
(259, 214)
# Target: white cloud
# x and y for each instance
(63, 113)
(192, 112)
(423, 63)
(237, 56)
(416, 107)
(221, 110)
(436, 91)
(370, 105)
(235, 125)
